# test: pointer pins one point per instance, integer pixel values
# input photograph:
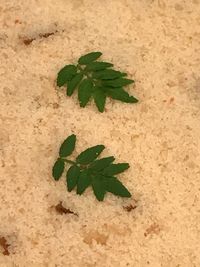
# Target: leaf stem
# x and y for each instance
(68, 161)
(79, 67)
(88, 75)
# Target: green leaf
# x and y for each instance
(98, 74)
(72, 177)
(100, 99)
(115, 169)
(66, 74)
(114, 186)
(118, 82)
(84, 60)
(84, 182)
(122, 95)
(85, 92)
(90, 171)
(98, 65)
(89, 154)
(108, 74)
(58, 169)
(101, 164)
(71, 85)
(98, 187)
(68, 146)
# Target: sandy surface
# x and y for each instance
(158, 43)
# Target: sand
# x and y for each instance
(158, 43)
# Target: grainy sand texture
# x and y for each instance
(157, 42)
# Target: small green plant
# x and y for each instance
(87, 170)
(95, 79)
